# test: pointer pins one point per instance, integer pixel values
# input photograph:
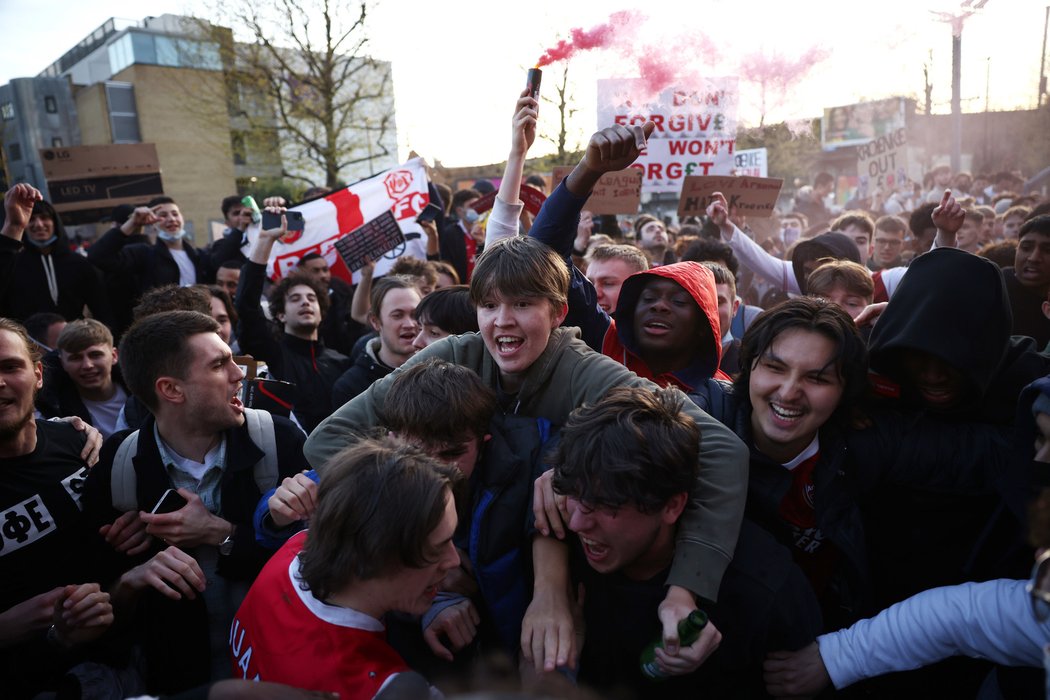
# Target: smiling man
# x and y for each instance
(171, 260)
(199, 442)
(83, 379)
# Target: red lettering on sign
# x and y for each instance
(408, 207)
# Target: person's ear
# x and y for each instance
(558, 314)
(168, 389)
(1046, 309)
(374, 322)
(674, 508)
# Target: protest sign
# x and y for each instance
(98, 178)
(614, 193)
(752, 161)
(370, 241)
(750, 196)
(882, 164)
(695, 130)
(402, 191)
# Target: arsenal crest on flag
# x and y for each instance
(402, 191)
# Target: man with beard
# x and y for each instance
(47, 620)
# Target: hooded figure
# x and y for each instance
(623, 344)
(827, 245)
(46, 276)
(954, 308)
(943, 348)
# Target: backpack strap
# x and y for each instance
(123, 479)
(261, 431)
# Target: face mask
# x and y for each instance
(169, 237)
(43, 244)
(471, 217)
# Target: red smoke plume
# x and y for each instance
(602, 36)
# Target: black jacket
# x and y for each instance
(174, 634)
(24, 289)
(453, 247)
(366, 369)
(308, 364)
(144, 266)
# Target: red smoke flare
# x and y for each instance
(601, 36)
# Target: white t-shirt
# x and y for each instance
(104, 414)
(187, 272)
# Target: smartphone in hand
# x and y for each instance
(170, 502)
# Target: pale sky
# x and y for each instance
(458, 66)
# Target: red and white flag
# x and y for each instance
(401, 190)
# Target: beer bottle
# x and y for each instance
(689, 630)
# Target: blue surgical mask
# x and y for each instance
(471, 217)
(43, 244)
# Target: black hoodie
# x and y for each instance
(954, 306)
(827, 245)
(24, 277)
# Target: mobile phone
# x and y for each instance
(271, 220)
(170, 502)
(429, 213)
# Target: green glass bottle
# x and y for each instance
(689, 630)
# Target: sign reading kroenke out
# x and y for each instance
(695, 130)
(882, 164)
(753, 162)
(101, 177)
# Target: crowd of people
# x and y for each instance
(526, 461)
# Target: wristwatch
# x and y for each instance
(226, 546)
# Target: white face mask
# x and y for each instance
(470, 216)
(178, 235)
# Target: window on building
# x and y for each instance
(50, 105)
(56, 142)
(7, 111)
(14, 151)
(123, 113)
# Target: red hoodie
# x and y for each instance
(621, 345)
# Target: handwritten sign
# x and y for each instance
(882, 164)
(615, 193)
(751, 196)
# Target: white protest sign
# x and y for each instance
(752, 162)
(695, 130)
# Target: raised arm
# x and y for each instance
(751, 254)
(253, 333)
(503, 221)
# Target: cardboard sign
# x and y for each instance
(370, 242)
(615, 193)
(101, 177)
(750, 196)
(882, 164)
(695, 124)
